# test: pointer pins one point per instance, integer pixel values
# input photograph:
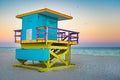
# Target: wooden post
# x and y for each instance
(37, 34)
(69, 53)
(46, 34)
(15, 36)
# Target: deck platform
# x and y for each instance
(42, 68)
(44, 41)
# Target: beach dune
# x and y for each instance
(89, 68)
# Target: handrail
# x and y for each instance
(15, 36)
(62, 29)
(64, 34)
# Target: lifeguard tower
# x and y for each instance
(43, 43)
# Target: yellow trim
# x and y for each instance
(44, 10)
(42, 45)
(48, 41)
(58, 47)
(41, 69)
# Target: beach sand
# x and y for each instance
(89, 68)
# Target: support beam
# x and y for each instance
(59, 57)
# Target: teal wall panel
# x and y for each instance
(49, 22)
(37, 20)
(32, 54)
(29, 22)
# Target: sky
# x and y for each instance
(98, 21)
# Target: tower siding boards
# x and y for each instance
(32, 54)
(29, 22)
(37, 20)
(44, 20)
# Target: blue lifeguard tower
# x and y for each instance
(42, 42)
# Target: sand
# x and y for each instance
(89, 68)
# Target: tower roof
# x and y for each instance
(47, 12)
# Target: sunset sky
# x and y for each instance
(98, 21)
